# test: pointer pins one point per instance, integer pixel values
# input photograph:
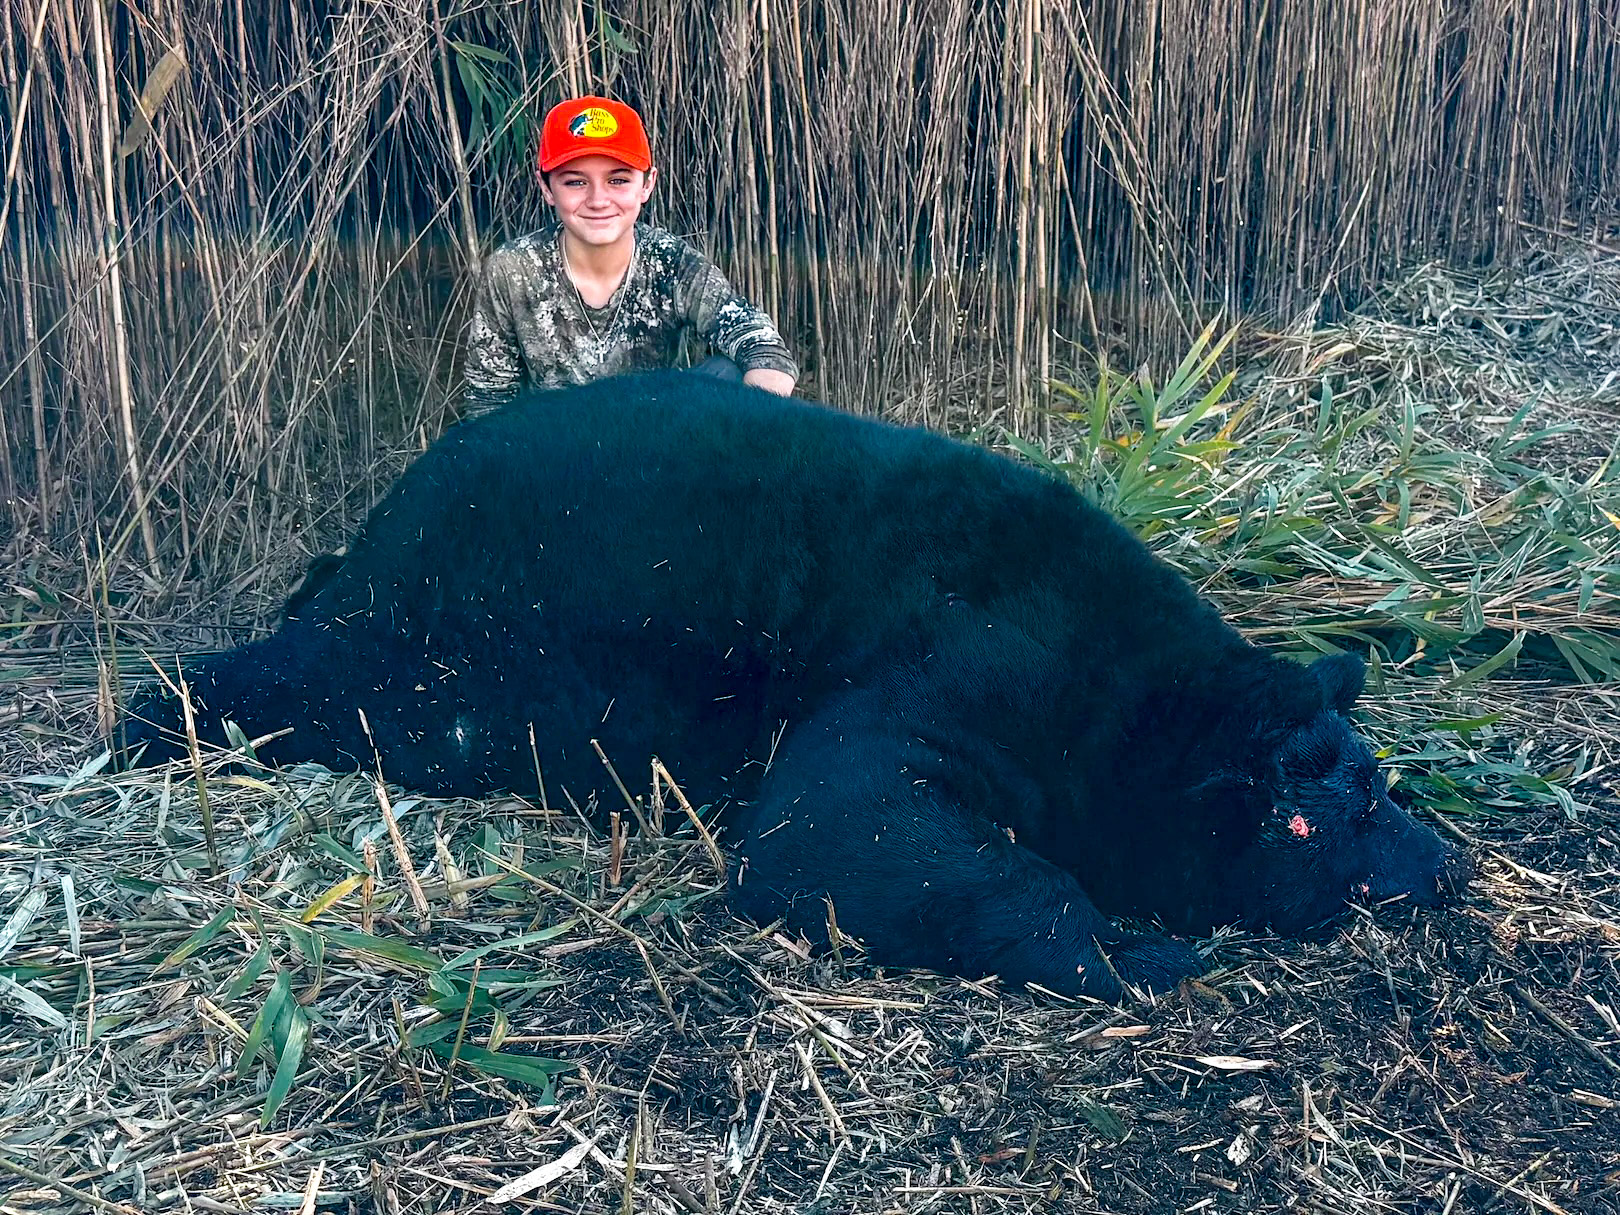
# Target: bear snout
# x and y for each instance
(1457, 870)
(1440, 875)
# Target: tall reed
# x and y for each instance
(238, 239)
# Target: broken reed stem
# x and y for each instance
(1565, 1028)
(204, 808)
(635, 807)
(627, 1203)
(458, 154)
(402, 855)
(658, 986)
(612, 925)
(461, 1030)
(835, 1122)
(716, 857)
(94, 1201)
(616, 840)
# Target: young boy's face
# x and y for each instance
(597, 198)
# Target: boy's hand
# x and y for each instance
(779, 382)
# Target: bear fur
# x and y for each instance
(927, 685)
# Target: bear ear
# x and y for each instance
(1340, 677)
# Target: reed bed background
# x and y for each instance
(238, 239)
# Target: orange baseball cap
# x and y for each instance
(593, 126)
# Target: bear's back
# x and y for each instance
(734, 521)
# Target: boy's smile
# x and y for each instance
(598, 198)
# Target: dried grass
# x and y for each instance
(239, 238)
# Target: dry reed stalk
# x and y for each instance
(936, 198)
(19, 103)
(772, 294)
(451, 122)
(810, 233)
(113, 254)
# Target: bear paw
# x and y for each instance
(1152, 963)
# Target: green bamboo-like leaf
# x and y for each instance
(238, 740)
(429, 1032)
(1494, 663)
(85, 771)
(1465, 725)
(1032, 453)
(512, 979)
(488, 54)
(198, 939)
(451, 1002)
(487, 844)
(29, 1003)
(384, 947)
(467, 957)
(275, 1007)
(1102, 1119)
(533, 1070)
(243, 983)
(292, 1055)
(326, 844)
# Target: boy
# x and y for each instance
(597, 293)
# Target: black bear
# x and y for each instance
(933, 688)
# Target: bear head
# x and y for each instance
(1321, 828)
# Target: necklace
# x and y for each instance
(600, 337)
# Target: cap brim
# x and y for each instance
(617, 154)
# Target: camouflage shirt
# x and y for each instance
(531, 329)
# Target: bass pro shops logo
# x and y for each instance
(594, 123)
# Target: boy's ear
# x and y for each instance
(1341, 677)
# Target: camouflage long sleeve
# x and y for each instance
(733, 326)
(494, 366)
(531, 329)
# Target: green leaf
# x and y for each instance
(1467, 725)
(87, 770)
(255, 967)
(275, 1007)
(1102, 1119)
(384, 947)
(292, 1054)
(533, 1070)
(433, 1031)
(465, 959)
(239, 741)
(198, 939)
(511, 979)
(326, 844)
(479, 52)
(29, 1003)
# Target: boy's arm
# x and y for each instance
(494, 363)
(734, 327)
